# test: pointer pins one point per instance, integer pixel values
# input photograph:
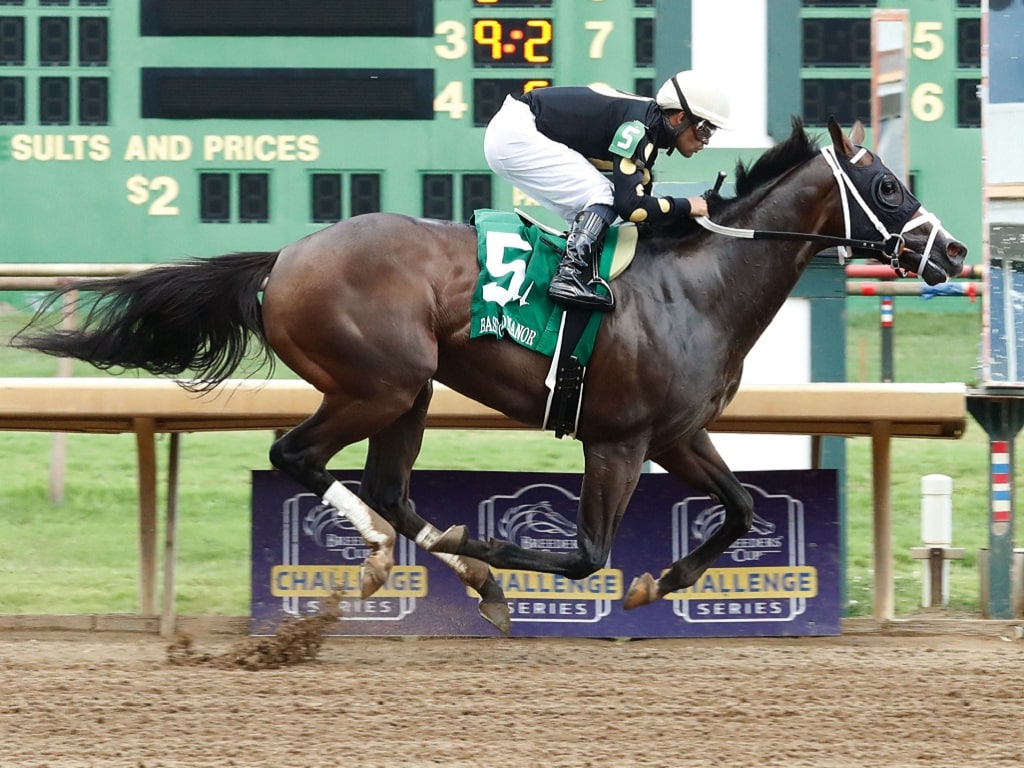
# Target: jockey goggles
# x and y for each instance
(704, 130)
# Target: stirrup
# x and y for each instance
(575, 294)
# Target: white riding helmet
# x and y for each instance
(696, 94)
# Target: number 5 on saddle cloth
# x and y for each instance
(518, 257)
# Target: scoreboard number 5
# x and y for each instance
(928, 43)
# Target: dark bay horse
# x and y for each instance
(373, 309)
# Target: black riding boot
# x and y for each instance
(577, 278)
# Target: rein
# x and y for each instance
(890, 245)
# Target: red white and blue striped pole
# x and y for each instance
(887, 311)
(1002, 487)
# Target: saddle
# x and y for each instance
(619, 243)
(518, 255)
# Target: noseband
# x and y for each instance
(890, 245)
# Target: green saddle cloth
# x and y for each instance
(517, 261)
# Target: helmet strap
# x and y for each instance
(687, 120)
(685, 123)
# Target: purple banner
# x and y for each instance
(782, 578)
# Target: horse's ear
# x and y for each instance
(839, 140)
(857, 133)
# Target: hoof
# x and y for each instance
(497, 613)
(643, 591)
(451, 539)
(374, 573)
(494, 605)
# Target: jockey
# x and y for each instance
(553, 144)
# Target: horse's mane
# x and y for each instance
(784, 156)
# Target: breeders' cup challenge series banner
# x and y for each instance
(780, 579)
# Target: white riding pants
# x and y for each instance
(554, 175)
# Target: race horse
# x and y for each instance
(373, 309)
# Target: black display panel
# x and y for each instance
(968, 103)
(93, 41)
(511, 3)
(438, 192)
(12, 41)
(54, 101)
(253, 198)
(845, 99)
(325, 198)
(12, 100)
(291, 18)
(968, 42)
(55, 40)
(93, 101)
(364, 193)
(288, 94)
(214, 198)
(476, 193)
(837, 42)
(489, 94)
(643, 43)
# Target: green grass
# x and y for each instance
(82, 556)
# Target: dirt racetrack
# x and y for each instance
(114, 701)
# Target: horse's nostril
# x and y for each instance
(956, 250)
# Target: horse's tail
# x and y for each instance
(198, 316)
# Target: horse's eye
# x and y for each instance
(890, 191)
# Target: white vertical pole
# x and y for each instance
(936, 530)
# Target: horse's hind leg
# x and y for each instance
(385, 487)
(303, 454)
(611, 473)
(699, 464)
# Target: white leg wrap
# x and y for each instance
(352, 507)
(428, 536)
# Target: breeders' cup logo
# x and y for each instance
(322, 552)
(537, 526)
(763, 576)
(541, 517)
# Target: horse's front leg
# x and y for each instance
(611, 472)
(385, 487)
(699, 464)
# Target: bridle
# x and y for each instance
(891, 244)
